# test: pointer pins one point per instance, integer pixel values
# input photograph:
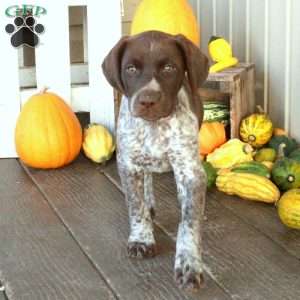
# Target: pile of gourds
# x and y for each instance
(263, 165)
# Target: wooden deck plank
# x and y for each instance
(94, 210)
(241, 259)
(265, 219)
(38, 257)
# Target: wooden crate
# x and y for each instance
(239, 83)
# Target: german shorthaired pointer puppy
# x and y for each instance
(157, 131)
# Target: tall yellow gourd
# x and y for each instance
(170, 16)
(248, 186)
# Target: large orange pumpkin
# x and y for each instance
(48, 133)
(211, 136)
(170, 16)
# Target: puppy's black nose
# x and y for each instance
(147, 104)
(149, 98)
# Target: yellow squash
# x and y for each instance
(265, 154)
(173, 17)
(248, 186)
(221, 53)
(268, 164)
(289, 208)
(257, 129)
(98, 144)
(230, 153)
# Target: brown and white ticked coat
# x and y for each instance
(157, 131)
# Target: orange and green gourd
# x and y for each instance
(290, 144)
(295, 155)
(286, 174)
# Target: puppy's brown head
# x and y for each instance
(149, 69)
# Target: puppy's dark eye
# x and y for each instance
(168, 68)
(131, 69)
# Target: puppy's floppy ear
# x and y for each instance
(111, 65)
(196, 62)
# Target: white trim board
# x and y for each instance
(79, 75)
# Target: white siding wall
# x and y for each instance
(294, 107)
(266, 32)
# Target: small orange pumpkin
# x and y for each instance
(211, 136)
(279, 131)
(48, 133)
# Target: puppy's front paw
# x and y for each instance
(141, 250)
(188, 279)
(188, 271)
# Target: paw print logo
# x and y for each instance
(24, 31)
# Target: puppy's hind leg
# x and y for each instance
(149, 195)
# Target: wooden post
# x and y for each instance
(53, 53)
(85, 36)
(235, 106)
(104, 31)
(251, 89)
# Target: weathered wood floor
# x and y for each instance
(63, 236)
